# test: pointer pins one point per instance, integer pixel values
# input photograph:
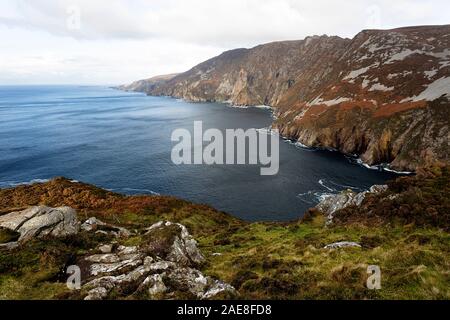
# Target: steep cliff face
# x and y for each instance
(386, 99)
(257, 76)
(148, 85)
(383, 95)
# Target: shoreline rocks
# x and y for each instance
(333, 203)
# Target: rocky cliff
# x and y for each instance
(258, 76)
(148, 85)
(384, 95)
(386, 99)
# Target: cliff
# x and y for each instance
(386, 99)
(148, 85)
(384, 95)
(125, 250)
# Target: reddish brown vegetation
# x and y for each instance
(392, 108)
(89, 201)
(422, 200)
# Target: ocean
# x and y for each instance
(121, 141)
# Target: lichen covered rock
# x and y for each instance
(41, 221)
(163, 266)
(96, 225)
(173, 242)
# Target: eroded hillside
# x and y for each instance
(383, 95)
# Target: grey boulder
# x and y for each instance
(41, 221)
(174, 243)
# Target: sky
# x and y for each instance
(111, 42)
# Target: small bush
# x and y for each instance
(241, 277)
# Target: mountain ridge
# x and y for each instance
(382, 96)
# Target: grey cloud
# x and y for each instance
(221, 22)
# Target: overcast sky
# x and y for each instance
(118, 41)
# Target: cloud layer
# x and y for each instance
(74, 37)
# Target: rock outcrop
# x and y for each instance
(41, 221)
(173, 242)
(94, 224)
(384, 95)
(343, 244)
(333, 203)
(163, 266)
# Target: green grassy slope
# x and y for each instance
(407, 237)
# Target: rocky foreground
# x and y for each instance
(162, 266)
(155, 247)
(383, 95)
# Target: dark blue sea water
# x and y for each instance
(121, 141)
